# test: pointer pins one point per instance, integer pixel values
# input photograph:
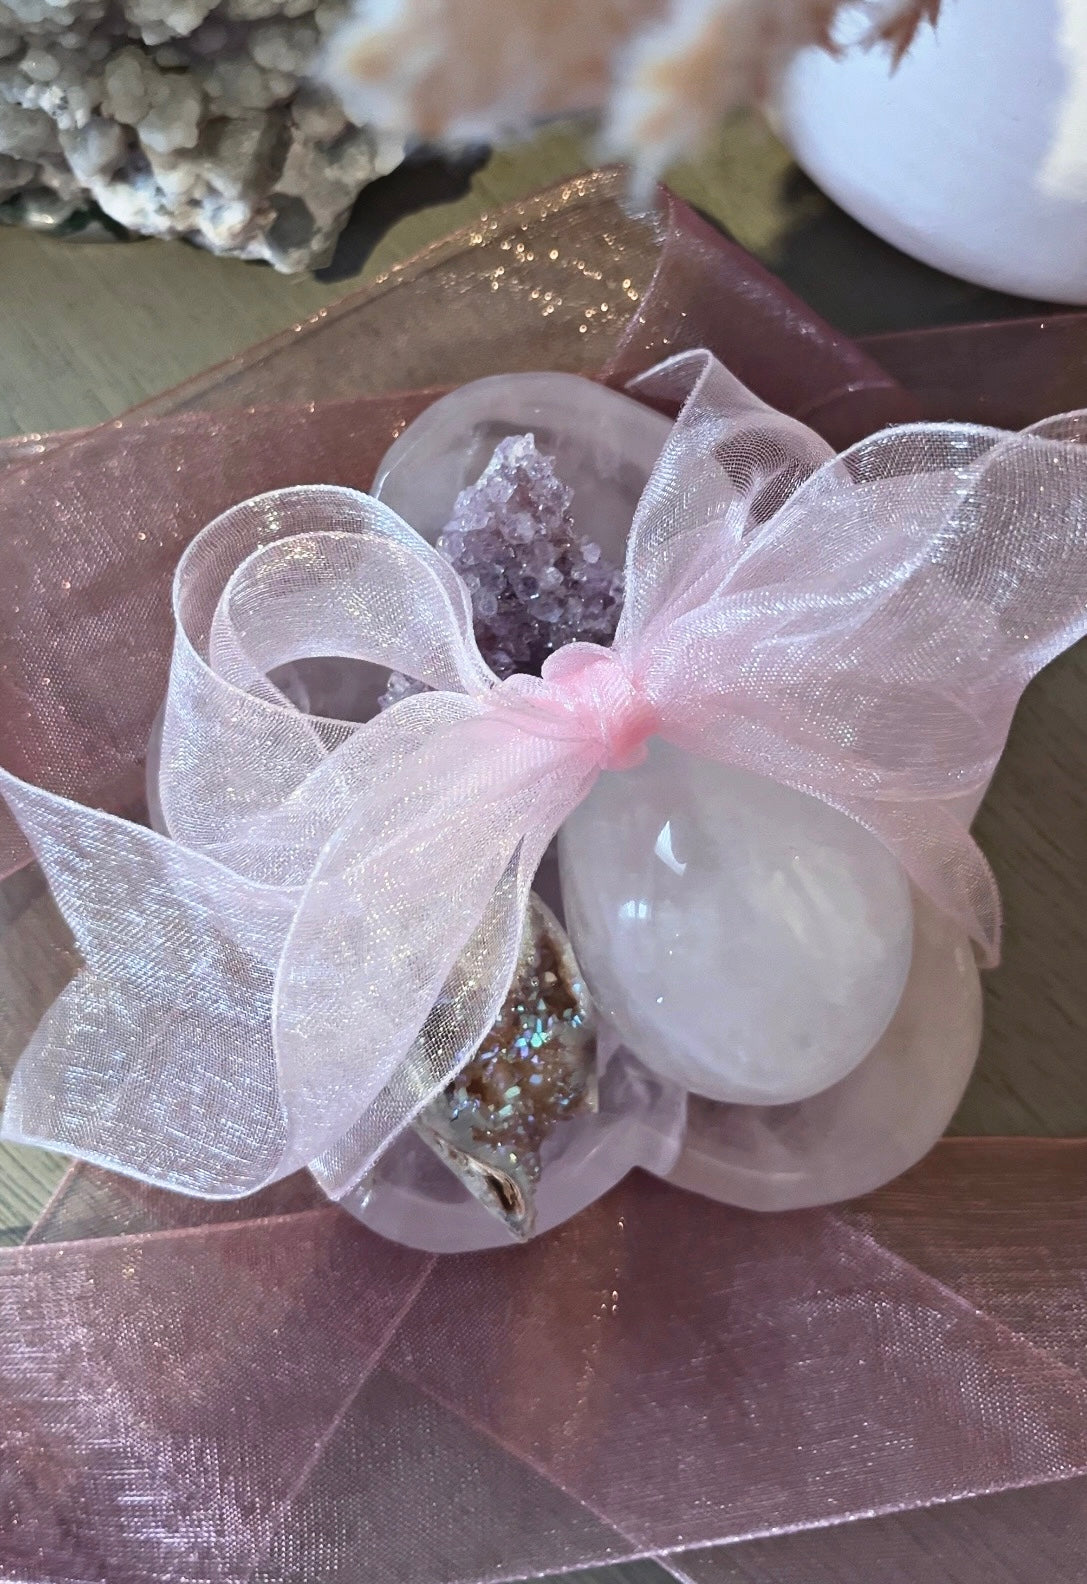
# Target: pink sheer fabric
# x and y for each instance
(292, 1398)
(94, 526)
(331, 926)
(262, 1390)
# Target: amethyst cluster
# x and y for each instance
(535, 584)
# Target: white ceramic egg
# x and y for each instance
(971, 152)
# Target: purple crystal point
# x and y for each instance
(535, 583)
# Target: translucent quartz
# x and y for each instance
(878, 1121)
(744, 940)
(604, 445)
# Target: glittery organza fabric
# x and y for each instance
(331, 924)
(289, 1397)
(261, 1389)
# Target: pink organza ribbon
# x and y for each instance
(252, 1401)
(331, 924)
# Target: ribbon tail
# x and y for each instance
(156, 1059)
(406, 938)
(467, 1006)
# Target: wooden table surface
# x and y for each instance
(86, 331)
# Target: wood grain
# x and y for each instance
(88, 330)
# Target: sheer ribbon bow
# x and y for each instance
(332, 922)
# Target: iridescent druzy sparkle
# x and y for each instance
(535, 583)
(535, 1068)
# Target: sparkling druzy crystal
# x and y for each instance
(535, 1068)
(534, 581)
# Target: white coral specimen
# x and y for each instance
(190, 118)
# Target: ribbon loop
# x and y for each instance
(344, 900)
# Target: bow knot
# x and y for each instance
(593, 685)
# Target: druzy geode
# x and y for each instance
(535, 1068)
(535, 585)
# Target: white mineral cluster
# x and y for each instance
(185, 118)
